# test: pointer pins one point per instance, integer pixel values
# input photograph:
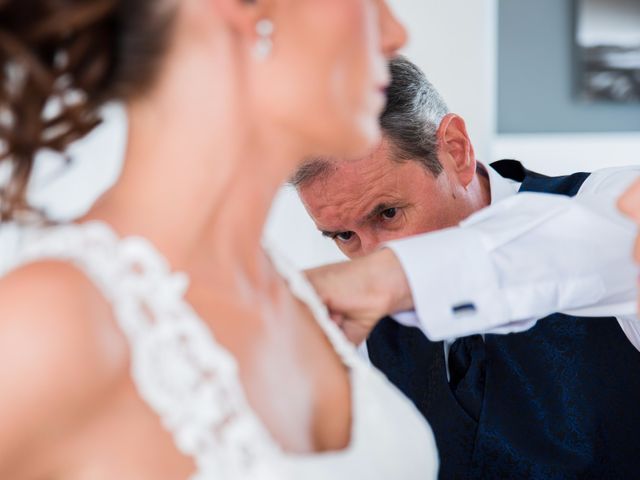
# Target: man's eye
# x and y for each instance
(390, 213)
(344, 236)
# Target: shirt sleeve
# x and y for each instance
(522, 259)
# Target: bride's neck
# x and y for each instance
(201, 195)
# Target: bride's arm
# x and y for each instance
(57, 360)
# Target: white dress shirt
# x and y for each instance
(525, 257)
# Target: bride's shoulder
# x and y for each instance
(54, 303)
(61, 350)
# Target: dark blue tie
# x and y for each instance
(467, 373)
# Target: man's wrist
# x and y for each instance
(392, 280)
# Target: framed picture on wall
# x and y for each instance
(608, 48)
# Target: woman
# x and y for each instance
(154, 338)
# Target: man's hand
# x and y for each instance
(361, 292)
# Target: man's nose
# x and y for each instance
(369, 244)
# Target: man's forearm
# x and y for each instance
(518, 261)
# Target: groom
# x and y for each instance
(559, 400)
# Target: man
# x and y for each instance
(556, 401)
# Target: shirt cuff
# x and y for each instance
(453, 283)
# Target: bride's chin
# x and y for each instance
(366, 137)
(353, 139)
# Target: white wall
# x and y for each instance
(67, 191)
(557, 154)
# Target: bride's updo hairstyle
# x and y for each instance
(60, 60)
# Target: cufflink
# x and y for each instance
(464, 310)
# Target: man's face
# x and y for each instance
(367, 202)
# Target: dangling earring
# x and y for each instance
(264, 44)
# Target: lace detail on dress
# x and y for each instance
(190, 381)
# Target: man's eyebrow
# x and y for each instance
(376, 212)
(329, 234)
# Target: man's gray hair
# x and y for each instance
(410, 122)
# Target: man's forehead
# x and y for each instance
(336, 210)
(353, 188)
(350, 185)
(362, 172)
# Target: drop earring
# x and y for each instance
(264, 44)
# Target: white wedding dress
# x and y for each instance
(192, 383)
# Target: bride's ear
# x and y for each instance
(243, 15)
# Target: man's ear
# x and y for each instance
(455, 148)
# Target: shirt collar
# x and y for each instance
(501, 187)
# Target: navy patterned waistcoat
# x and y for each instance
(561, 401)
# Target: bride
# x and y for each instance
(155, 338)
